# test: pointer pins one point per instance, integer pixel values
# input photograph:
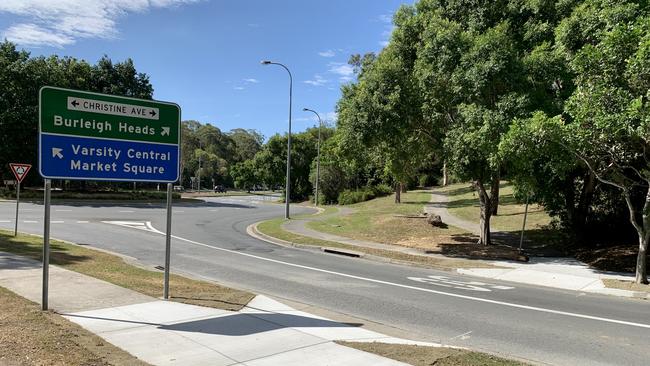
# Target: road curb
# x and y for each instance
(254, 232)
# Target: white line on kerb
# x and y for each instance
(466, 297)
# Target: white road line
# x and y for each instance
(4, 221)
(57, 222)
(30, 222)
(63, 210)
(126, 211)
(179, 211)
(82, 222)
(214, 210)
(466, 297)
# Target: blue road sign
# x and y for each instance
(92, 136)
(72, 157)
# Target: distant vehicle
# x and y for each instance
(219, 189)
(179, 188)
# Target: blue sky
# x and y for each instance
(205, 54)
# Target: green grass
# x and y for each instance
(378, 220)
(273, 228)
(464, 204)
(113, 269)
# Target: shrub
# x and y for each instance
(349, 197)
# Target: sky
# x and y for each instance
(205, 54)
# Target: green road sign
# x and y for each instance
(94, 136)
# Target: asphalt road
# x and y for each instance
(542, 325)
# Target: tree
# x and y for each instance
(247, 143)
(21, 77)
(610, 109)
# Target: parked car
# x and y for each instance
(219, 189)
(179, 188)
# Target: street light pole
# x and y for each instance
(288, 184)
(320, 124)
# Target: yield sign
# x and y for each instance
(20, 170)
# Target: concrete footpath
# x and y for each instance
(266, 332)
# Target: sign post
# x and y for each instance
(20, 172)
(91, 136)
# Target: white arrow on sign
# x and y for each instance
(56, 152)
(165, 131)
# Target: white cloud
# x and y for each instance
(251, 81)
(340, 68)
(62, 22)
(239, 88)
(385, 18)
(344, 71)
(32, 34)
(328, 53)
(317, 81)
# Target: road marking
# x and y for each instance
(63, 210)
(372, 280)
(179, 211)
(126, 211)
(214, 210)
(5, 221)
(30, 222)
(443, 281)
(57, 222)
(463, 336)
(82, 222)
(130, 224)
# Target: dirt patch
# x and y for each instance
(427, 356)
(620, 258)
(29, 336)
(626, 285)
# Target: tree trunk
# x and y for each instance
(494, 195)
(402, 187)
(486, 214)
(398, 193)
(644, 237)
(445, 174)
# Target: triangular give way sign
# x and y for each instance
(20, 170)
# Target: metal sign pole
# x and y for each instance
(523, 226)
(46, 243)
(168, 240)
(17, 203)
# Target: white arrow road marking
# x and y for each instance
(146, 226)
(56, 152)
(372, 280)
(443, 281)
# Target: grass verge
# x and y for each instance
(30, 336)
(426, 356)
(383, 221)
(273, 228)
(463, 203)
(626, 285)
(113, 269)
